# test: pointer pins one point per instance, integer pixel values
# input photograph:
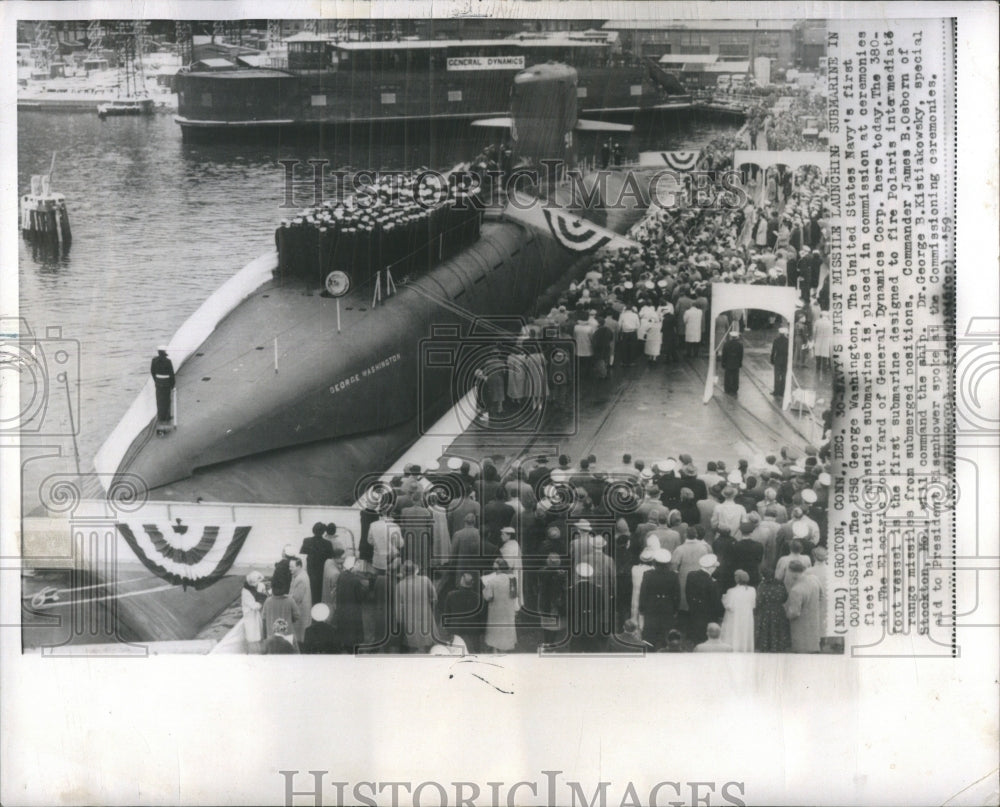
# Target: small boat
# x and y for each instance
(126, 106)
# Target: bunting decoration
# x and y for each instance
(197, 561)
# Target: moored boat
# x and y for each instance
(126, 106)
(326, 81)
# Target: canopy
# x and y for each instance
(793, 159)
(737, 296)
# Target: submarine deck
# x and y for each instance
(655, 411)
(268, 342)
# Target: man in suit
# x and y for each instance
(749, 553)
(690, 480)
(466, 547)
(417, 525)
(703, 598)
(779, 361)
(301, 595)
(468, 505)
(497, 514)
(732, 361)
(317, 551)
(539, 475)
(463, 612)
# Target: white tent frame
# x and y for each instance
(780, 300)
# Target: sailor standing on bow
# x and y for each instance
(162, 370)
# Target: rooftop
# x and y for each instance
(429, 44)
(703, 25)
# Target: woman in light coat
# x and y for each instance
(501, 607)
(252, 598)
(738, 624)
(517, 377)
(415, 599)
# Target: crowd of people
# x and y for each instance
(652, 303)
(665, 556)
(570, 557)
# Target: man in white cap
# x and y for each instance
(162, 371)
(659, 599)
(704, 598)
(320, 636)
(644, 565)
(779, 361)
(805, 498)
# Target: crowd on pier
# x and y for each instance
(568, 556)
(587, 555)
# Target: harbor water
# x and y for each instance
(159, 224)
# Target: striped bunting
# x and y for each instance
(198, 561)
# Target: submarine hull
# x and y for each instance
(276, 376)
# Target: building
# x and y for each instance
(727, 40)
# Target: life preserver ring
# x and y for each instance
(337, 283)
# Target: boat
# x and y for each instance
(126, 106)
(296, 377)
(329, 81)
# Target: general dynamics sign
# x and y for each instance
(486, 63)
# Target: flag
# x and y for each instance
(674, 160)
(571, 231)
(195, 557)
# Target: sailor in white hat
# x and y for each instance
(162, 371)
(656, 599)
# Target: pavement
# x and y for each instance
(655, 411)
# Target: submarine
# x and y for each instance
(298, 376)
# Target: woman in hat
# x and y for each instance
(737, 624)
(501, 595)
(253, 595)
(510, 551)
(654, 336)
